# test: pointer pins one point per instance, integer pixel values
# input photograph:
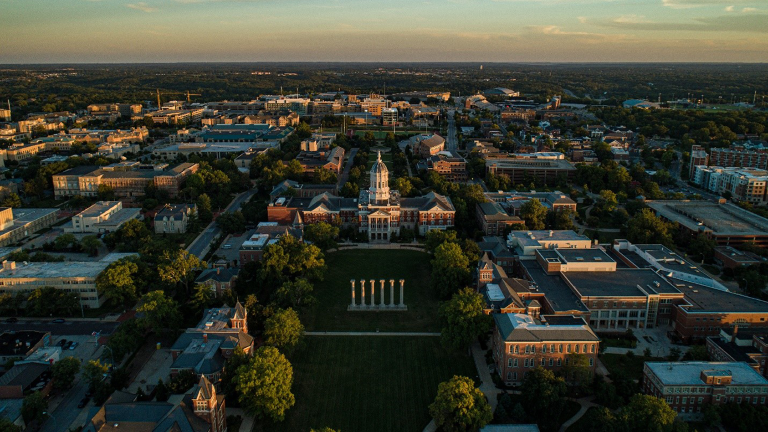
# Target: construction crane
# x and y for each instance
(189, 99)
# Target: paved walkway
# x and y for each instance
(586, 403)
(247, 423)
(334, 333)
(345, 173)
(397, 246)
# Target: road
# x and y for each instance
(451, 140)
(67, 411)
(345, 174)
(66, 328)
(200, 246)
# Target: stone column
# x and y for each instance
(391, 293)
(402, 283)
(382, 288)
(373, 292)
(352, 281)
(362, 292)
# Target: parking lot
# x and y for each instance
(230, 247)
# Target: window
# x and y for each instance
(515, 362)
(509, 363)
(566, 361)
(576, 348)
(559, 362)
(542, 361)
(592, 349)
(509, 376)
(525, 363)
(517, 349)
(591, 362)
(514, 376)
(551, 362)
(568, 348)
(544, 349)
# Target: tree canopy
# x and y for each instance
(460, 406)
(463, 319)
(264, 384)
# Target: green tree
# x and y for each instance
(324, 176)
(403, 185)
(116, 282)
(8, 426)
(646, 413)
(160, 311)
(563, 219)
(463, 319)
(90, 245)
(450, 269)
(231, 223)
(283, 329)
(11, 200)
(608, 200)
(264, 384)
(64, 241)
(322, 234)
(460, 406)
(295, 294)
(703, 246)
(33, 407)
(577, 371)
(645, 227)
(202, 297)
(179, 267)
(94, 372)
(543, 397)
(64, 372)
(204, 209)
(534, 213)
(105, 193)
(350, 190)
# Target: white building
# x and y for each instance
(104, 216)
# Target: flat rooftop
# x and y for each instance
(722, 219)
(707, 300)
(534, 238)
(98, 209)
(620, 283)
(558, 294)
(689, 373)
(68, 269)
(584, 255)
(26, 215)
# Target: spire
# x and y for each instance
(378, 156)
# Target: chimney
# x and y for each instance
(735, 331)
(205, 337)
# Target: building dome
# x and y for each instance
(379, 188)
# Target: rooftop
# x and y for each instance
(720, 219)
(689, 373)
(99, 208)
(521, 327)
(622, 282)
(557, 293)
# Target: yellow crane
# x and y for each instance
(189, 98)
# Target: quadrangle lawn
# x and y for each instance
(334, 292)
(368, 384)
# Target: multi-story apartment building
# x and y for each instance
(127, 180)
(743, 184)
(122, 109)
(521, 343)
(276, 119)
(101, 217)
(389, 116)
(73, 277)
(297, 105)
(688, 387)
(739, 156)
(698, 157)
(176, 116)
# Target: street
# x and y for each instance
(345, 174)
(202, 243)
(67, 411)
(451, 140)
(66, 328)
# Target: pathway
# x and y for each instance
(353, 333)
(586, 403)
(345, 174)
(248, 421)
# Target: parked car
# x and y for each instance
(83, 402)
(12, 320)
(227, 246)
(73, 346)
(58, 321)
(61, 342)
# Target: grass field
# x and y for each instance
(620, 364)
(385, 157)
(334, 293)
(368, 383)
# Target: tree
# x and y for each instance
(64, 372)
(563, 219)
(322, 234)
(33, 407)
(543, 397)
(450, 269)
(703, 246)
(577, 370)
(90, 245)
(264, 384)
(608, 199)
(295, 294)
(160, 312)
(162, 393)
(403, 185)
(324, 176)
(179, 267)
(105, 193)
(350, 190)
(64, 241)
(94, 372)
(646, 413)
(460, 406)
(231, 223)
(463, 319)
(204, 209)
(534, 213)
(11, 200)
(202, 296)
(116, 282)
(283, 329)
(231, 365)
(645, 227)
(7, 425)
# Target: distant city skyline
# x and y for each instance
(128, 31)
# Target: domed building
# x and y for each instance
(380, 211)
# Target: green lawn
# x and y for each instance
(622, 364)
(385, 157)
(368, 383)
(334, 293)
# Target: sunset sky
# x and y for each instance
(54, 31)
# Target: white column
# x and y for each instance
(373, 292)
(352, 281)
(391, 293)
(402, 283)
(382, 288)
(362, 292)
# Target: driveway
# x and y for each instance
(345, 174)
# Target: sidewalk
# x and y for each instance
(248, 421)
(333, 333)
(586, 403)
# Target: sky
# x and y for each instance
(129, 31)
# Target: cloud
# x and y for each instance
(725, 23)
(141, 6)
(685, 4)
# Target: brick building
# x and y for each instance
(453, 169)
(689, 386)
(741, 345)
(494, 220)
(128, 180)
(521, 343)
